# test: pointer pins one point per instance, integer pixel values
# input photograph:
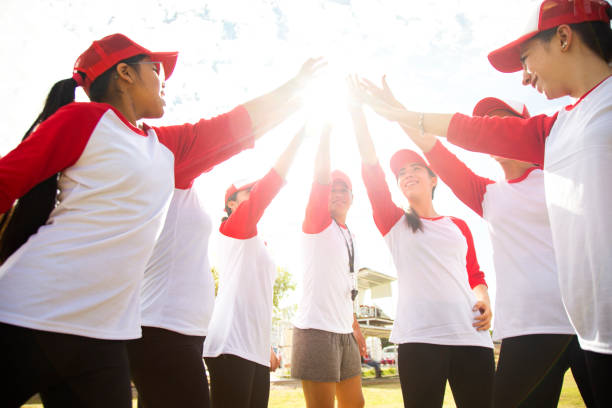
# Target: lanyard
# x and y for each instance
(351, 255)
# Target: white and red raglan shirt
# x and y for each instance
(436, 271)
(81, 272)
(324, 262)
(178, 290)
(241, 322)
(528, 298)
(575, 146)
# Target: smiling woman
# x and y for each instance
(443, 311)
(93, 191)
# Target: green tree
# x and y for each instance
(282, 286)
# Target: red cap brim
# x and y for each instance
(508, 58)
(168, 60)
(403, 157)
(487, 105)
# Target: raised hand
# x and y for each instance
(384, 93)
(356, 91)
(309, 70)
(381, 100)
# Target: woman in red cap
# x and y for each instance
(93, 190)
(327, 340)
(443, 311)
(566, 51)
(537, 348)
(237, 347)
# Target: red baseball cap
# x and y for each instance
(401, 157)
(233, 189)
(103, 54)
(337, 175)
(488, 105)
(549, 14)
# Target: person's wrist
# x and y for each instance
(421, 124)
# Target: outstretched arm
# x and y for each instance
(362, 134)
(283, 163)
(268, 110)
(323, 159)
(425, 141)
(317, 213)
(242, 223)
(515, 138)
(385, 212)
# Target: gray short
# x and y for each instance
(323, 356)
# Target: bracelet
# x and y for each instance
(420, 123)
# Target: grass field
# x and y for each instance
(388, 395)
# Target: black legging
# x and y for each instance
(599, 367)
(168, 370)
(67, 370)
(424, 369)
(238, 383)
(531, 369)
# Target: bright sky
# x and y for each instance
(433, 52)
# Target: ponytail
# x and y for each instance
(228, 210)
(413, 220)
(32, 209)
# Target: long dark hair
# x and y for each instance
(227, 209)
(596, 35)
(411, 216)
(32, 209)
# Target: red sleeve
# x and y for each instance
(242, 223)
(386, 213)
(467, 186)
(199, 147)
(317, 211)
(475, 275)
(57, 143)
(511, 137)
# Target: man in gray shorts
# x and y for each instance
(327, 340)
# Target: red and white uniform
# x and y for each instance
(326, 280)
(242, 318)
(528, 299)
(575, 146)
(81, 272)
(436, 271)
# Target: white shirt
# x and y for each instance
(434, 296)
(578, 168)
(241, 323)
(178, 290)
(81, 272)
(528, 298)
(436, 271)
(575, 146)
(325, 302)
